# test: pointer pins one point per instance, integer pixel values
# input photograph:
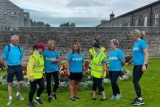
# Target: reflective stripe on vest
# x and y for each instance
(99, 61)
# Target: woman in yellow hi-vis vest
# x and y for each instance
(35, 73)
(98, 71)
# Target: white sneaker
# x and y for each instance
(19, 97)
(9, 102)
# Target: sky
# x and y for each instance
(84, 13)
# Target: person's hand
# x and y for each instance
(102, 75)
(31, 79)
(143, 68)
(68, 73)
(84, 72)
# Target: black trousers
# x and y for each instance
(56, 80)
(33, 85)
(113, 77)
(97, 82)
(137, 74)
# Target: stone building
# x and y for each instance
(12, 16)
(148, 15)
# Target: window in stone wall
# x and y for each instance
(129, 23)
(145, 20)
(136, 22)
(156, 19)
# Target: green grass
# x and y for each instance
(150, 84)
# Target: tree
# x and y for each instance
(39, 23)
(67, 24)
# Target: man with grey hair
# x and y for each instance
(13, 61)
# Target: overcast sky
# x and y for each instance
(82, 12)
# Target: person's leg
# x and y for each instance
(78, 78)
(33, 87)
(48, 80)
(137, 74)
(115, 86)
(41, 84)
(56, 80)
(19, 77)
(136, 77)
(10, 75)
(99, 84)
(94, 87)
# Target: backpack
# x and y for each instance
(10, 48)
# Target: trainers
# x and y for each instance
(94, 99)
(76, 97)
(134, 100)
(30, 104)
(138, 102)
(54, 96)
(19, 97)
(118, 96)
(72, 99)
(50, 99)
(102, 99)
(113, 97)
(38, 101)
(9, 102)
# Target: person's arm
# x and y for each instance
(5, 64)
(123, 61)
(145, 59)
(21, 56)
(68, 71)
(5, 56)
(30, 66)
(104, 69)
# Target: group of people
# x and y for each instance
(46, 59)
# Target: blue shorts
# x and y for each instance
(14, 70)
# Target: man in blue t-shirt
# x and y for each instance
(13, 61)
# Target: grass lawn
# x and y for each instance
(150, 84)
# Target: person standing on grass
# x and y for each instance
(98, 71)
(35, 69)
(92, 53)
(13, 62)
(116, 61)
(75, 67)
(140, 61)
(51, 59)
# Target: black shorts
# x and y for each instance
(14, 70)
(75, 76)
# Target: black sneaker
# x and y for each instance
(76, 97)
(30, 104)
(138, 102)
(50, 99)
(72, 99)
(102, 99)
(54, 96)
(94, 99)
(38, 101)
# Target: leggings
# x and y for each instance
(56, 80)
(97, 82)
(33, 84)
(137, 74)
(113, 77)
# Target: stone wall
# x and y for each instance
(65, 36)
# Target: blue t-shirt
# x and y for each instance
(48, 65)
(115, 57)
(76, 62)
(137, 51)
(13, 57)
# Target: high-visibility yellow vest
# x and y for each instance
(93, 52)
(96, 65)
(39, 66)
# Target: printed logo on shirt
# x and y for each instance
(113, 58)
(77, 59)
(49, 58)
(135, 49)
